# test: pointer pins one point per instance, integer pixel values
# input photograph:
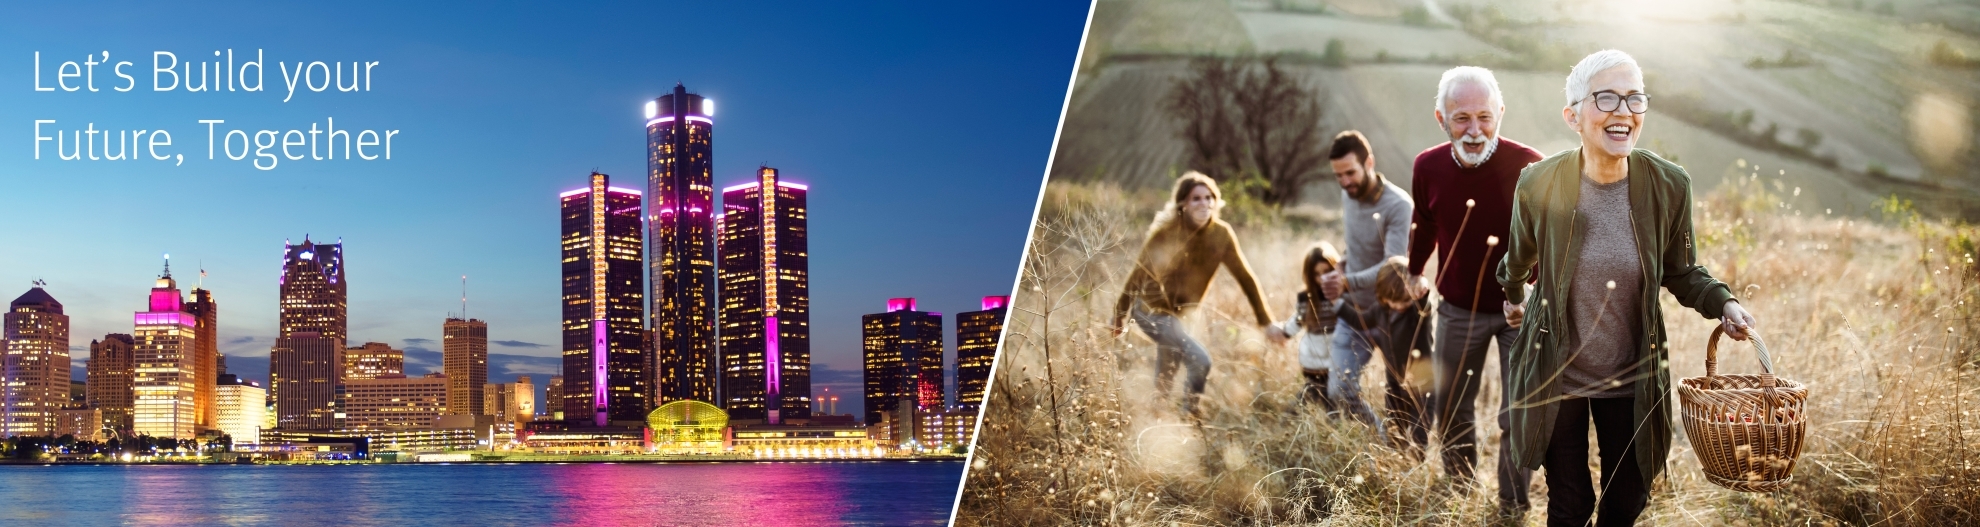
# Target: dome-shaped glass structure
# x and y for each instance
(687, 424)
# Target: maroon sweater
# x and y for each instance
(1441, 187)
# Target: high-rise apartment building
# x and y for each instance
(397, 402)
(112, 367)
(238, 409)
(35, 385)
(167, 337)
(681, 208)
(306, 365)
(512, 402)
(205, 356)
(903, 352)
(976, 349)
(607, 367)
(372, 360)
(766, 300)
(464, 357)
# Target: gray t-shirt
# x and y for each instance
(1607, 323)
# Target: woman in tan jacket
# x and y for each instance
(1185, 246)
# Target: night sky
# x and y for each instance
(922, 130)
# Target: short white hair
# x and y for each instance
(1597, 62)
(1468, 75)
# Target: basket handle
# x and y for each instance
(1712, 355)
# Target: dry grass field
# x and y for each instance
(1875, 315)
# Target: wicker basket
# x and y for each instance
(1746, 429)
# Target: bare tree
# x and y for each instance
(1248, 118)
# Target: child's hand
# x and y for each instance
(1515, 314)
(1275, 334)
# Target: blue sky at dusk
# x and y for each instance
(922, 130)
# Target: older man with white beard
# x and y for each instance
(1464, 198)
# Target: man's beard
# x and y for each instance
(1472, 160)
(1362, 191)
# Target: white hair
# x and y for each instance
(1597, 62)
(1467, 74)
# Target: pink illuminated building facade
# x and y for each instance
(681, 210)
(606, 362)
(766, 300)
(165, 355)
(903, 359)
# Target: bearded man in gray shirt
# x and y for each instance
(1375, 217)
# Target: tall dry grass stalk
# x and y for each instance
(1874, 315)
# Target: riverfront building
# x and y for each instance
(36, 365)
(766, 300)
(681, 211)
(165, 374)
(239, 408)
(464, 358)
(112, 366)
(903, 359)
(306, 365)
(606, 363)
(976, 349)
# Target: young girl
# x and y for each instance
(1186, 245)
(1313, 320)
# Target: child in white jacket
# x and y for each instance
(1313, 321)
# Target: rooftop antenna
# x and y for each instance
(168, 266)
(463, 297)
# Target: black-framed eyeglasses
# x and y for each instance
(1609, 100)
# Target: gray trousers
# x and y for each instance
(1173, 347)
(1462, 336)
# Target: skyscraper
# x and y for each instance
(306, 365)
(680, 205)
(606, 363)
(372, 360)
(976, 349)
(766, 300)
(36, 367)
(464, 356)
(112, 367)
(167, 341)
(205, 357)
(238, 409)
(903, 349)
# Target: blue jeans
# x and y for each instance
(1352, 350)
(1173, 347)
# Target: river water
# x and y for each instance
(823, 493)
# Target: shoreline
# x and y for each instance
(9, 463)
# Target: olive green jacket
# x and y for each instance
(1542, 246)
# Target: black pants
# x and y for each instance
(1316, 390)
(1408, 409)
(1570, 498)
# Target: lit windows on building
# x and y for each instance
(903, 359)
(681, 244)
(35, 385)
(606, 370)
(976, 349)
(766, 304)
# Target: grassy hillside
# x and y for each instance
(1875, 316)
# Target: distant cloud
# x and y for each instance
(244, 339)
(78, 348)
(517, 344)
(418, 341)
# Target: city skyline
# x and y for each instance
(484, 144)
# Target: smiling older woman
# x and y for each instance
(1597, 230)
